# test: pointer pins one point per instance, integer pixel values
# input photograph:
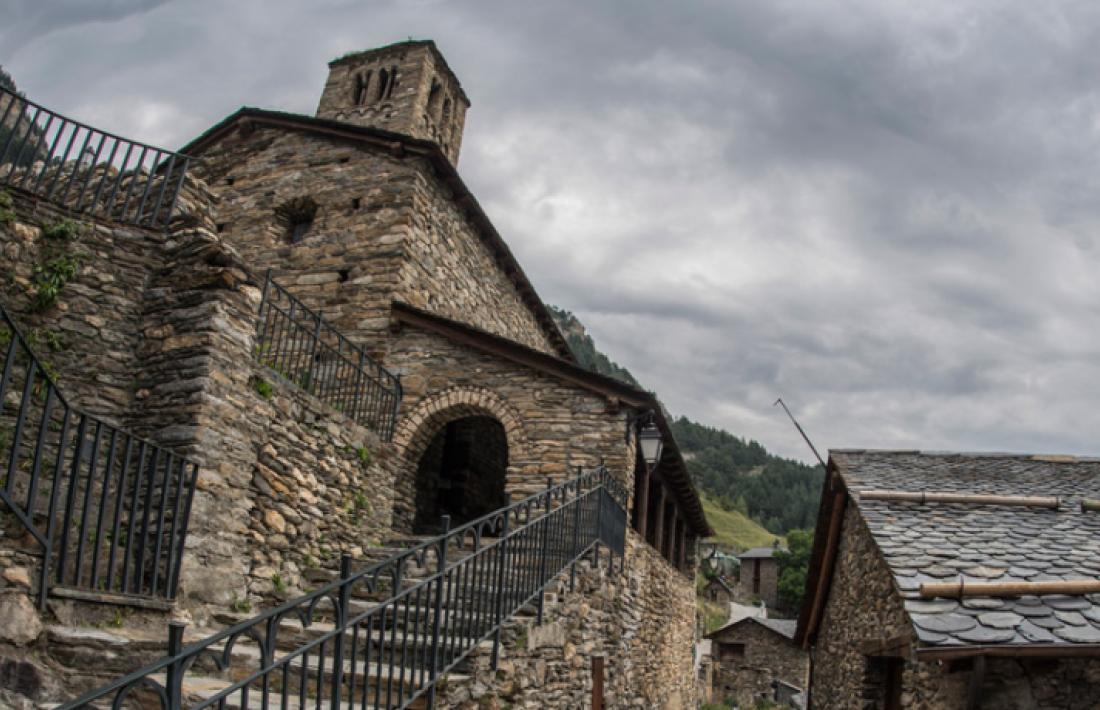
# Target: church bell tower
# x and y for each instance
(405, 88)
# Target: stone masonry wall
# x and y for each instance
(348, 263)
(864, 606)
(385, 228)
(640, 619)
(769, 580)
(551, 427)
(768, 656)
(449, 270)
(89, 337)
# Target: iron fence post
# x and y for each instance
(442, 572)
(543, 554)
(599, 518)
(174, 677)
(500, 589)
(309, 386)
(576, 534)
(341, 631)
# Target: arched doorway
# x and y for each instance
(461, 473)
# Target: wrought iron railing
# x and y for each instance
(303, 348)
(109, 510)
(392, 652)
(84, 169)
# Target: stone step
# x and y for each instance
(375, 676)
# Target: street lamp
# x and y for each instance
(652, 444)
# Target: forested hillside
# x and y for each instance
(781, 494)
(738, 475)
(580, 342)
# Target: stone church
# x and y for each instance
(331, 331)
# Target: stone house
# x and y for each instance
(718, 591)
(944, 580)
(359, 214)
(752, 656)
(759, 577)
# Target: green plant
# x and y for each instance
(521, 639)
(364, 455)
(118, 620)
(7, 214)
(64, 230)
(263, 388)
(50, 278)
(240, 606)
(279, 583)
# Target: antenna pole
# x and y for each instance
(780, 403)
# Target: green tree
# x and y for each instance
(794, 564)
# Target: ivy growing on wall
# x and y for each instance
(58, 265)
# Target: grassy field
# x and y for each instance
(734, 529)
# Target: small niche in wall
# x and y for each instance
(221, 227)
(296, 216)
(344, 273)
(356, 203)
(345, 160)
(230, 180)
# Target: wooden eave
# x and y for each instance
(672, 465)
(400, 144)
(1022, 650)
(819, 577)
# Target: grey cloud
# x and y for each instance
(884, 212)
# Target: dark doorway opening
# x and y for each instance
(461, 473)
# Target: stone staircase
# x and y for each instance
(387, 654)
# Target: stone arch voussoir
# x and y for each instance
(415, 430)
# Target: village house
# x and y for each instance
(351, 401)
(752, 656)
(759, 577)
(944, 580)
(717, 590)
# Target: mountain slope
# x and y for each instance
(734, 529)
(738, 477)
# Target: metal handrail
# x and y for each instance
(484, 572)
(110, 510)
(298, 344)
(108, 176)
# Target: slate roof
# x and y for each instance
(757, 552)
(939, 542)
(783, 627)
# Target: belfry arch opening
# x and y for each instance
(461, 473)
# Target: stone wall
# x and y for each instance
(864, 606)
(551, 427)
(449, 270)
(385, 228)
(769, 580)
(641, 620)
(768, 656)
(347, 263)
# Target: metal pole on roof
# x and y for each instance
(781, 403)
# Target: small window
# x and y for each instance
(356, 203)
(393, 82)
(297, 215)
(383, 81)
(731, 651)
(882, 683)
(362, 83)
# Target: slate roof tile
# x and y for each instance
(938, 542)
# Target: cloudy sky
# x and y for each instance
(885, 212)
